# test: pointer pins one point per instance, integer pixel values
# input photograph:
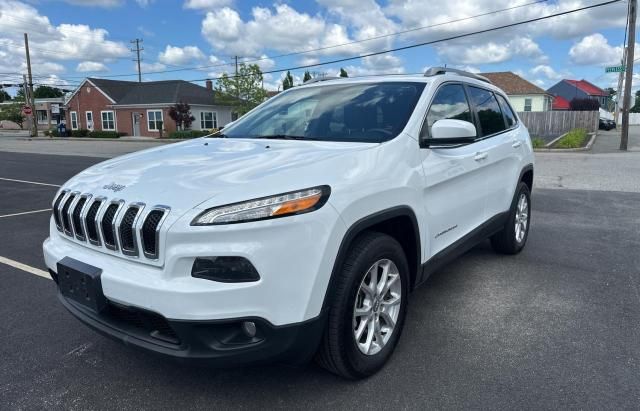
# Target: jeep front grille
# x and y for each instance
(110, 223)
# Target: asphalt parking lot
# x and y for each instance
(554, 327)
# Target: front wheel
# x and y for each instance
(512, 238)
(368, 308)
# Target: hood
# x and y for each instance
(183, 175)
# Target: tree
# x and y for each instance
(307, 76)
(584, 104)
(4, 96)
(636, 105)
(243, 92)
(20, 95)
(12, 112)
(287, 82)
(47, 92)
(181, 114)
(343, 72)
(610, 100)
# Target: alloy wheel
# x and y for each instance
(522, 218)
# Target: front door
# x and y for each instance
(89, 117)
(136, 123)
(454, 188)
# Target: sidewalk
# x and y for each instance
(609, 141)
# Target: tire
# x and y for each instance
(509, 240)
(339, 351)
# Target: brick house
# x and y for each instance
(138, 109)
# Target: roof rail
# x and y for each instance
(325, 78)
(435, 71)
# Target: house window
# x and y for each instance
(527, 104)
(108, 120)
(74, 120)
(154, 119)
(234, 116)
(41, 116)
(208, 120)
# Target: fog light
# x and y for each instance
(249, 328)
(224, 269)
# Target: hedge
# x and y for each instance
(190, 133)
(106, 134)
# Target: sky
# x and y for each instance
(198, 39)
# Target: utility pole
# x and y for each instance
(28, 97)
(624, 136)
(236, 80)
(26, 102)
(616, 111)
(137, 50)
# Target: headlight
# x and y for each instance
(281, 205)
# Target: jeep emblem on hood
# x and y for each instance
(114, 187)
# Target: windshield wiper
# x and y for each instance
(284, 137)
(217, 135)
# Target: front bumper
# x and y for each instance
(217, 342)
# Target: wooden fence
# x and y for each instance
(550, 123)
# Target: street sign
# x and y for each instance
(614, 69)
(26, 110)
(55, 109)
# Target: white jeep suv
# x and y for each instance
(299, 230)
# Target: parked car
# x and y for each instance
(302, 228)
(605, 124)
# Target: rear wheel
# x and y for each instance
(512, 238)
(368, 308)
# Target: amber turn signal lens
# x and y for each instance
(298, 205)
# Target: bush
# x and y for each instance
(584, 104)
(83, 132)
(52, 132)
(538, 142)
(576, 138)
(190, 133)
(105, 134)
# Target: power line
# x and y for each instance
(137, 50)
(342, 44)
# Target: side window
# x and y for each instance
(489, 114)
(450, 102)
(506, 110)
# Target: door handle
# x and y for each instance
(480, 156)
(516, 144)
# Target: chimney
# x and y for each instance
(209, 85)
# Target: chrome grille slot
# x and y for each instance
(91, 222)
(64, 213)
(107, 225)
(150, 231)
(128, 241)
(129, 229)
(76, 218)
(56, 210)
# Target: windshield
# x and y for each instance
(366, 112)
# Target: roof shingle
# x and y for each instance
(155, 92)
(513, 84)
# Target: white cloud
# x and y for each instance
(206, 4)
(180, 55)
(51, 45)
(490, 52)
(546, 71)
(595, 50)
(91, 66)
(146, 67)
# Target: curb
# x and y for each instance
(568, 150)
(125, 140)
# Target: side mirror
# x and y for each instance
(447, 133)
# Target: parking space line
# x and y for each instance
(25, 212)
(28, 182)
(24, 267)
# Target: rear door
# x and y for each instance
(498, 133)
(454, 188)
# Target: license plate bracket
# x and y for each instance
(81, 282)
